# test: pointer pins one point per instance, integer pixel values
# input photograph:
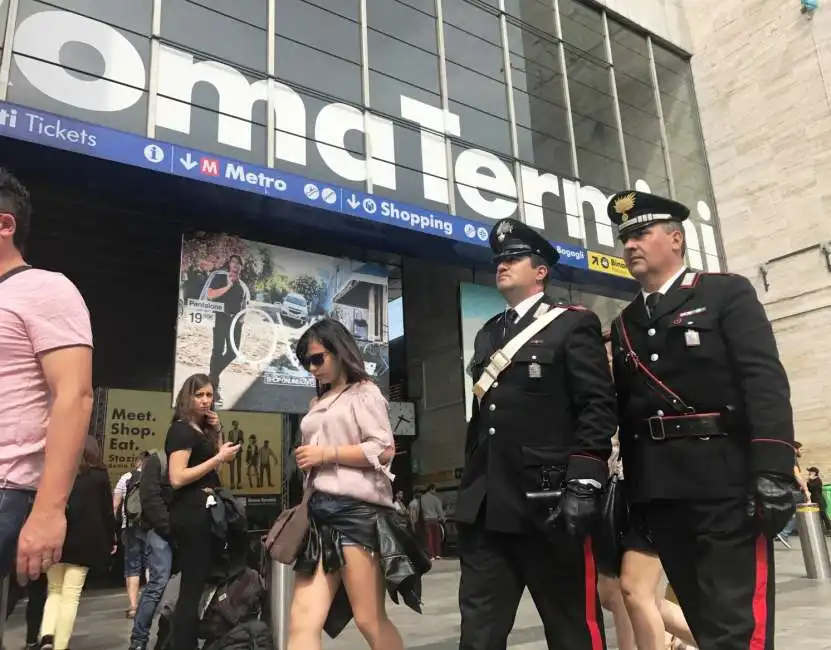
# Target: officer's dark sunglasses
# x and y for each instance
(315, 360)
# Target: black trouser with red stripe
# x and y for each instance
(721, 569)
(560, 575)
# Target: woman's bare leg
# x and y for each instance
(364, 582)
(640, 576)
(611, 598)
(310, 605)
(674, 621)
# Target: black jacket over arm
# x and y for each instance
(155, 493)
(90, 521)
(711, 343)
(553, 407)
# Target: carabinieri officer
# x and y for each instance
(543, 418)
(706, 427)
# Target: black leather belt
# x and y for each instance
(673, 427)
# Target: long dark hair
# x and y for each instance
(338, 342)
(183, 409)
(91, 456)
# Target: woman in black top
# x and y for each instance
(194, 456)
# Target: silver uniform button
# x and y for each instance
(653, 356)
(492, 407)
(651, 331)
(495, 384)
(491, 431)
(660, 413)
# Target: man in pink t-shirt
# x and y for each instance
(46, 389)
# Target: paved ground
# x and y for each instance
(803, 621)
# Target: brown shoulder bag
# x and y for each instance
(284, 540)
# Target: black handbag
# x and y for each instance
(608, 546)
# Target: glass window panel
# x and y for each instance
(314, 166)
(135, 16)
(684, 140)
(462, 207)
(595, 129)
(583, 27)
(318, 28)
(385, 94)
(539, 102)
(216, 35)
(472, 52)
(471, 19)
(346, 8)
(318, 70)
(403, 22)
(539, 13)
(639, 114)
(401, 61)
(484, 130)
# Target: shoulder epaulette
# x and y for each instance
(493, 318)
(693, 278)
(577, 308)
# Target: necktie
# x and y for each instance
(508, 321)
(652, 301)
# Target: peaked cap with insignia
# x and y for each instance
(631, 210)
(510, 238)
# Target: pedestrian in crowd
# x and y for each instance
(432, 511)
(46, 384)
(706, 427)
(817, 496)
(125, 497)
(355, 552)
(90, 540)
(195, 454)
(399, 504)
(155, 494)
(801, 495)
(35, 593)
(543, 418)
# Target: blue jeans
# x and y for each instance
(789, 528)
(158, 557)
(14, 508)
(135, 551)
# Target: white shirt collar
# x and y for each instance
(667, 285)
(525, 306)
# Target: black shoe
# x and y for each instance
(47, 642)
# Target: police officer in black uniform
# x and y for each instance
(706, 427)
(545, 423)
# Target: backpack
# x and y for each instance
(251, 635)
(239, 599)
(132, 500)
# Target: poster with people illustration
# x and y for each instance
(243, 305)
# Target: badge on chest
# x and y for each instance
(534, 371)
(692, 338)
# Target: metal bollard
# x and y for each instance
(281, 589)
(4, 604)
(812, 540)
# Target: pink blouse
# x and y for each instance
(357, 416)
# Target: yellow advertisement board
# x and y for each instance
(608, 264)
(138, 421)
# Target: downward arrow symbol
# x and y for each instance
(188, 162)
(353, 202)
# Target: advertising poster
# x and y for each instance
(138, 421)
(243, 306)
(477, 305)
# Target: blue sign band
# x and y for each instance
(48, 129)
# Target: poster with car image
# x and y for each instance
(243, 305)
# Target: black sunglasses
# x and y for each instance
(314, 360)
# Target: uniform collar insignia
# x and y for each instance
(689, 280)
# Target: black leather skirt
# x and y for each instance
(336, 521)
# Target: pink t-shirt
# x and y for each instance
(358, 416)
(39, 311)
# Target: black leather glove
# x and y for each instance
(578, 510)
(772, 502)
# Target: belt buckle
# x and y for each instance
(657, 433)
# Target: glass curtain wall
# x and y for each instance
(557, 86)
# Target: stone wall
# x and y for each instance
(763, 77)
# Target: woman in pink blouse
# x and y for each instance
(356, 548)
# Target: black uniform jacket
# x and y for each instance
(554, 406)
(710, 342)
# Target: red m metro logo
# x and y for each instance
(209, 166)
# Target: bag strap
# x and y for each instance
(650, 379)
(12, 272)
(501, 359)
